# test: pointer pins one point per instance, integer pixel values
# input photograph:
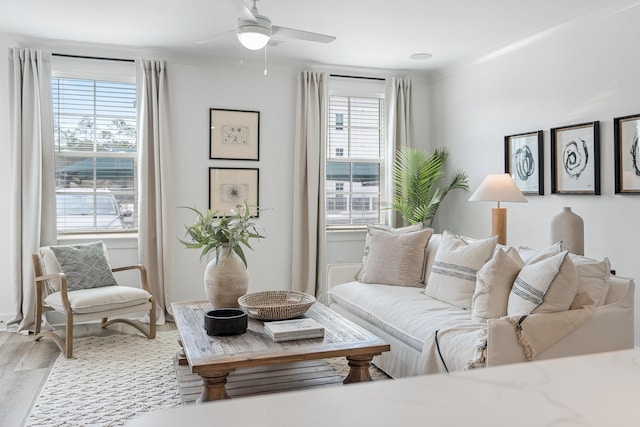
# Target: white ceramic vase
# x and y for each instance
(226, 280)
(568, 228)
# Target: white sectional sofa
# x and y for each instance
(429, 334)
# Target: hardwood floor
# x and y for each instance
(25, 365)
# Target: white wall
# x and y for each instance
(194, 89)
(584, 73)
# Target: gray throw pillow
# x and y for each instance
(85, 265)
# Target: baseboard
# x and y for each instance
(4, 319)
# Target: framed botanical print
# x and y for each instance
(524, 161)
(231, 188)
(234, 134)
(575, 159)
(627, 154)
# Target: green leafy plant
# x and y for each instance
(417, 191)
(212, 231)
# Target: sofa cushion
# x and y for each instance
(594, 277)
(493, 285)
(99, 299)
(546, 284)
(453, 275)
(367, 241)
(403, 312)
(396, 258)
(84, 265)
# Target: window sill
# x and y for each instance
(115, 240)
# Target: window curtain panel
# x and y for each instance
(398, 96)
(32, 216)
(155, 224)
(308, 183)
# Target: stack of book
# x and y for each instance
(285, 330)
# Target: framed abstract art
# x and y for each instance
(524, 161)
(627, 154)
(231, 188)
(575, 159)
(234, 134)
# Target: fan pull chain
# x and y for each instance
(265, 60)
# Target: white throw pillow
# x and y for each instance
(594, 277)
(367, 241)
(453, 275)
(544, 285)
(493, 285)
(527, 254)
(396, 258)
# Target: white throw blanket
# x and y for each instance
(462, 345)
(538, 332)
(455, 348)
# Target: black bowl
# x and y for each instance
(225, 321)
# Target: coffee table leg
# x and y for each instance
(358, 369)
(213, 386)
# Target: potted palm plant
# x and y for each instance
(417, 176)
(225, 278)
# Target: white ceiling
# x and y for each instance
(370, 33)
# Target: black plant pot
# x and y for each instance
(225, 321)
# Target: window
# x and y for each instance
(355, 155)
(95, 154)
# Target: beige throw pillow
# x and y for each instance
(544, 285)
(453, 275)
(367, 242)
(396, 258)
(493, 285)
(528, 254)
(594, 277)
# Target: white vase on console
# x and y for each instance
(568, 228)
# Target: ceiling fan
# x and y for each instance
(254, 31)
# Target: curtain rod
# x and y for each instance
(357, 77)
(92, 57)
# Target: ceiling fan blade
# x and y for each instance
(243, 11)
(290, 33)
(217, 37)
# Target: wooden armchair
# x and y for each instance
(90, 301)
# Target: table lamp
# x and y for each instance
(498, 187)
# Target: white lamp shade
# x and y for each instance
(253, 37)
(498, 187)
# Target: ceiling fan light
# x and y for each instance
(253, 37)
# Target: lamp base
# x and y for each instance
(499, 224)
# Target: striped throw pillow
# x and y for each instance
(453, 274)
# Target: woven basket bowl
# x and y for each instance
(276, 305)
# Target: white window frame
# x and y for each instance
(99, 70)
(359, 88)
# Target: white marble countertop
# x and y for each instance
(595, 390)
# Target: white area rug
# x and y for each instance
(110, 380)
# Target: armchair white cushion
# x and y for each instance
(94, 300)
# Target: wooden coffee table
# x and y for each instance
(213, 358)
